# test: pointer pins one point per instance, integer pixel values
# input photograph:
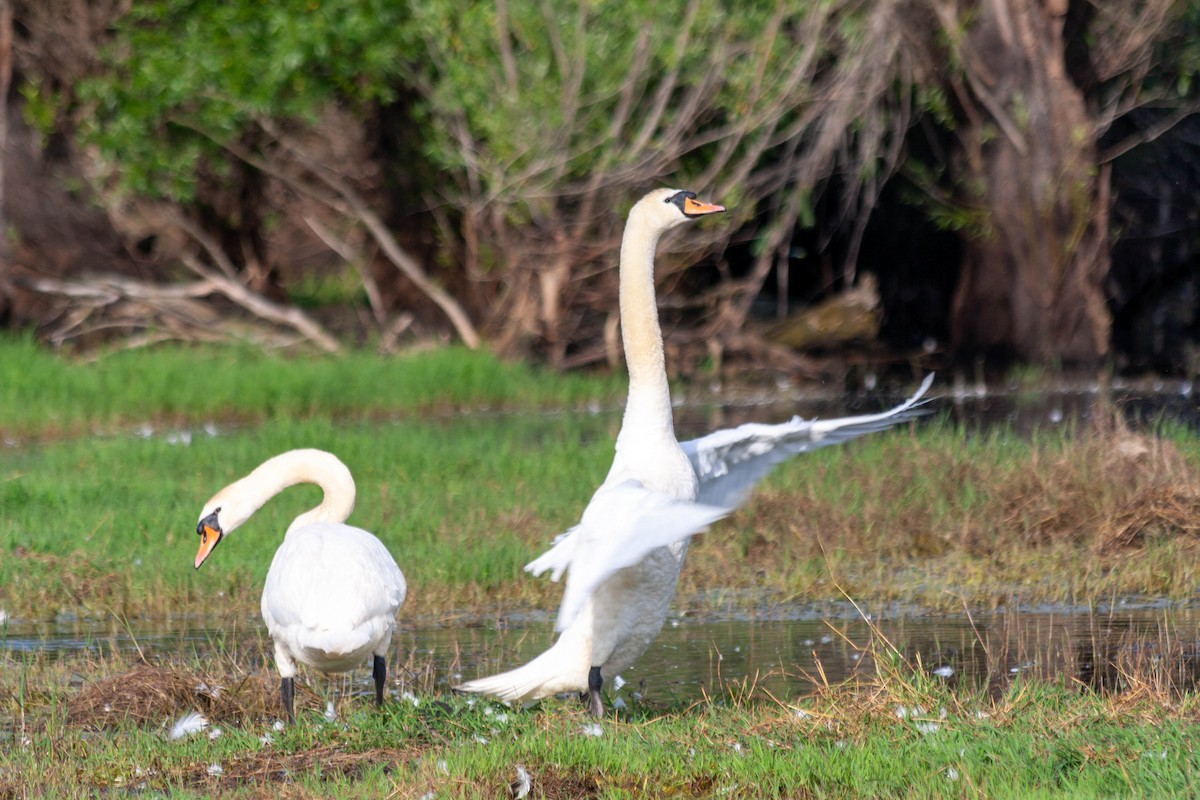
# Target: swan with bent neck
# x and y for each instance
(333, 590)
(623, 558)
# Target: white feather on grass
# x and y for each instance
(521, 786)
(189, 723)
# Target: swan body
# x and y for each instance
(623, 558)
(333, 590)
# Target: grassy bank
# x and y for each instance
(894, 733)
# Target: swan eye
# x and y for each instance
(209, 522)
(679, 198)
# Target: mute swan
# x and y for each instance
(623, 558)
(332, 591)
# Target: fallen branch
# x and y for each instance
(102, 303)
(262, 307)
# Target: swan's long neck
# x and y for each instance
(648, 409)
(303, 466)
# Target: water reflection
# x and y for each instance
(786, 655)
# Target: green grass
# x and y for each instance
(945, 520)
(104, 526)
(891, 734)
(43, 395)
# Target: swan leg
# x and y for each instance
(595, 703)
(287, 690)
(379, 671)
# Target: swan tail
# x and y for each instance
(336, 642)
(544, 676)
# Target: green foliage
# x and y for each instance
(332, 288)
(537, 100)
(40, 106)
(946, 211)
(187, 78)
(1177, 55)
(521, 101)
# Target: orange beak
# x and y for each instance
(698, 208)
(210, 536)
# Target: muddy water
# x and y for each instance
(785, 653)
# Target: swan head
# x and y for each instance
(209, 530)
(221, 515)
(238, 501)
(666, 208)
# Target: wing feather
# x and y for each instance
(620, 525)
(728, 463)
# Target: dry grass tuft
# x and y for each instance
(149, 694)
(999, 516)
(1171, 510)
(1135, 681)
(1082, 492)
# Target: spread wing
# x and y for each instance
(619, 527)
(730, 462)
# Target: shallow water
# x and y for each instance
(786, 653)
(793, 651)
(973, 407)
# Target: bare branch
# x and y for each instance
(504, 44)
(261, 307)
(347, 201)
(353, 256)
(668, 82)
(104, 303)
(1148, 134)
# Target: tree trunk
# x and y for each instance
(1032, 287)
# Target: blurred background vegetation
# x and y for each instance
(950, 181)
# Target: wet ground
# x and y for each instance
(786, 651)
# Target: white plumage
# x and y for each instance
(333, 590)
(728, 463)
(623, 558)
(189, 723)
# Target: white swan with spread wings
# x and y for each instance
(622, 560)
